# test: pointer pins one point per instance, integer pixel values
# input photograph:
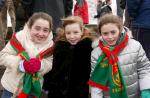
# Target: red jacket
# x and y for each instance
(82, 11)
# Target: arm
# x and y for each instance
(95, 92)
(46, 65)
(143, 69)
(132, 7)
(9, 57)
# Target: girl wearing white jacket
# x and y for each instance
(27, 57)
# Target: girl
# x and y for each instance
(71, 62)
(120, 68)
(27, 57)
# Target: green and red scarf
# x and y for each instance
(107, 74)
(31, 84)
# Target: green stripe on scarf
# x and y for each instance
(107, 74)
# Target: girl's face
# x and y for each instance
(40, 31)
(110, 33)
(73, 33)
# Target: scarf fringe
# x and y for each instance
(22, 95)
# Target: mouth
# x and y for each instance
(111, 42)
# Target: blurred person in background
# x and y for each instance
(139, 13)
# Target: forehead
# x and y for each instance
(109, 27)
(73, 26)
(41, 23)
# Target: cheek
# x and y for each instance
(104, 37)
(46, 34)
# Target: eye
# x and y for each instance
(37, 28)
(76, 32)
(113, 32)
(105, 33)
(46, 30)
(67, 33)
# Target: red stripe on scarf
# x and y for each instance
(94, 84)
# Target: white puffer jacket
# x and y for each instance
(135, 68)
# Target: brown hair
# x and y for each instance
(40, 15)
(60, 32)
(110, 18)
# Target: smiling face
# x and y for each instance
(110, 33)
(73, 33)
(40, 31)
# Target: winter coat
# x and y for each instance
(82, 11)
(70, 71)
(139, 11)
(11, 60)
(135, 68)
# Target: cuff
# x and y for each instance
(21, 67)
(96, 92)
(144, 83)
(42, 67)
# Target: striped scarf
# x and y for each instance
(107, 74)
(31, 83)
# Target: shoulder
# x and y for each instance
(133, 43)
(84, 43)
(133, 46)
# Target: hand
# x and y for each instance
(145, 93)
(36, 64)
(32, 66)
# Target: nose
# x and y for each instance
(41, 32)
(71, 35)
(110, 36)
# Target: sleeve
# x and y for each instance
(94, 58)
(96, 92)
(46, 65)
(132, 7)
(143, 69)
(9, 57)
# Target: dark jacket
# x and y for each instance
(56, 8)
(70, 71)
(139, 11)
(2, 3)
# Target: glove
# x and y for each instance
(32, 66)
(145, 93)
